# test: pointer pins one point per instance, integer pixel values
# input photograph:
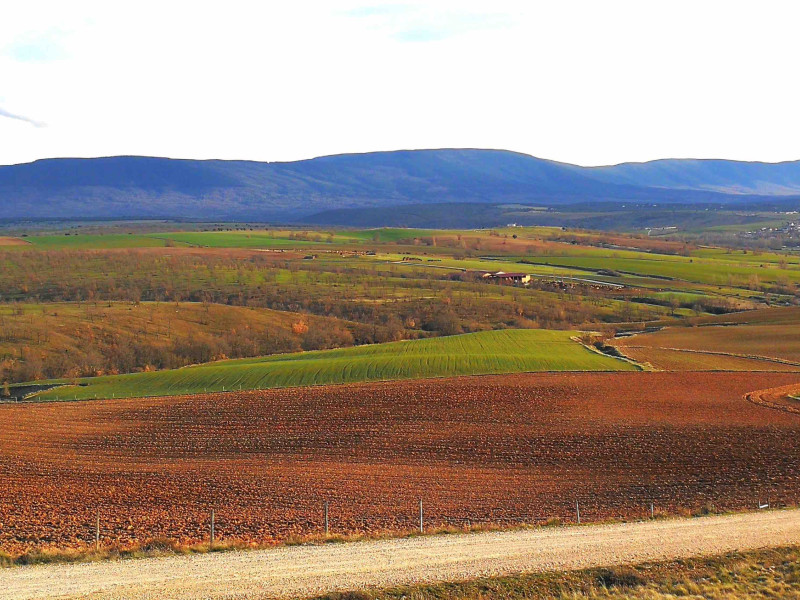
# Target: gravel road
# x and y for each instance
(308, 570)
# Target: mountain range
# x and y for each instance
(308, 190)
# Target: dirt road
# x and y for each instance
(309, 570)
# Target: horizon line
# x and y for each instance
(403, 150)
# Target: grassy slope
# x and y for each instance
(504, 351)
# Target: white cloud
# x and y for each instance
(430, 22)
(23, 118)
(578, 80)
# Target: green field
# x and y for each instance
(475, 264)
(236, 239)
(278, 238)
(395, 234)
(713, 272)
(100, 241)
(705, 266)
(504, 351)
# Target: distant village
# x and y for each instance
(790, 229)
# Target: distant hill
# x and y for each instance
(726, 176)
(133, 187)
(610, 216)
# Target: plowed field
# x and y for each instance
(505, 449)
(780, 398)
(768, 347)
(12, 241)
(674, 359)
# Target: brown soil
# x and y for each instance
(782, 398)
(13, 241)
(502, 449)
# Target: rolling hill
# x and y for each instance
(141, 187)
(503, 351)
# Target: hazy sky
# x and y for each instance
(589, 82)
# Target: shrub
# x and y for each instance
(619, 577)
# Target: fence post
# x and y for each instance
(327, 523)
(97, 533)
(212, 527)
(652, 511)
(421, 518)
(578, 511)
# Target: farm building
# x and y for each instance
(503, 277)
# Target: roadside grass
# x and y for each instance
(487, 352)
(760, 574)
(169, 547)
(149, 549)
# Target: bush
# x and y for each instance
(6, 560)
(619, 577)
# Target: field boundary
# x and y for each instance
(620, 356)
(771, 398)
(781, 361)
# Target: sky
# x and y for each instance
(589, 82)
